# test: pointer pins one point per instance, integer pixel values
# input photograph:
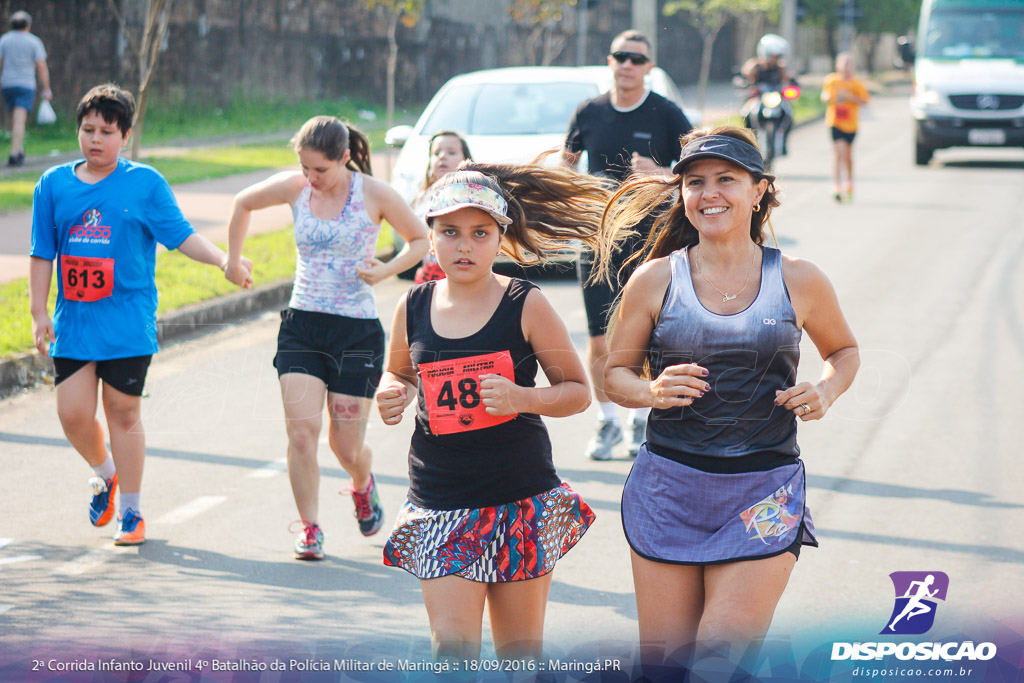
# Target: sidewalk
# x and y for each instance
(206, 203)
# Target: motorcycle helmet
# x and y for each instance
(772, 45)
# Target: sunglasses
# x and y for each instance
(635, 58)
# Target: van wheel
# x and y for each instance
(922, 154)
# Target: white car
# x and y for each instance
(507, 115)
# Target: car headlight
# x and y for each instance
(926, 97)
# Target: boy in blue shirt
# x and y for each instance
(101, 218)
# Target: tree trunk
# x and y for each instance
(392, 67)
(708, 33)
(149, 53)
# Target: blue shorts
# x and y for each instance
(19, 97)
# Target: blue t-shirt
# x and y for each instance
(104, 238)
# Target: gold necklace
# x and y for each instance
(726, 297)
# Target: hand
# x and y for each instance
(42, 333)
(373, 271)
(499, 394)
(239, 273)
(391, 402)
(808, 401)
(679, 385)
(643, 164)
(46, 94)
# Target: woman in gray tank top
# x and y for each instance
(707, 336)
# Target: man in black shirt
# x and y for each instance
(624, 131)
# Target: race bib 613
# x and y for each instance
(86, 278)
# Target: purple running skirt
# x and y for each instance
(674, 513)
(512, 542)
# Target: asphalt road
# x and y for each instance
(916, 468)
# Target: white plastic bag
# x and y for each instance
(46, 115)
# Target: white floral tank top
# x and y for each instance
(328, 252)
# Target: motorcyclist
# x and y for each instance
(768, 68)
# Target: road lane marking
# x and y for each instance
(269, 470)
(19, 558)
(191, 509)
(84, 563)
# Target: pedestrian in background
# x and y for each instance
(844, 94)
(624, 131)
(487, 517)
(331, 344)
(101, 218)
(448, 149)
(707, 336)
(22, 57)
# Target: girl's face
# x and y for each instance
(100, 141)
(445, 155)
(466, 243)
(321, 172)
(719, 196)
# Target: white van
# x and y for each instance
(969, 75)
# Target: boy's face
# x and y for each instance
(99, 140)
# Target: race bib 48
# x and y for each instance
(451, 389)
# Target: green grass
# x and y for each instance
(808, 106)
(172, 119)
(180, 281)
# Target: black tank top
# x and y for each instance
(484, 467)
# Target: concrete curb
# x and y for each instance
(27, 369)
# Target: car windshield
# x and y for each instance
(508, 108)
(965, 34)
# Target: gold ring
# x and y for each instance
(807, 408)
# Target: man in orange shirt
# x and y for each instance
(844, 94)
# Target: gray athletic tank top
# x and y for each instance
(749, 355)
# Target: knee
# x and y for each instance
(303, 436)
(74, 419)
(449, 641)
(122, 416)
(348, 451)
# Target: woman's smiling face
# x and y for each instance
(719, 196)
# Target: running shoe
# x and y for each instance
(101, 508)
(131, 529)
(310, 543)
(838, 196)
(637, 436)
(609, 434)
(369, 512)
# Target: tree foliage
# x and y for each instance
(543, 20)
(708, 17)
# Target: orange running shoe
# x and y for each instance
(101, 509)
(131, 529)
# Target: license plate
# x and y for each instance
(986, 136)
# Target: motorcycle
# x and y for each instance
(770, 115)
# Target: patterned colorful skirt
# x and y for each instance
(512, 542)
(677, 514)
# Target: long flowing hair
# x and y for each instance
(660, 197)
(552, 208)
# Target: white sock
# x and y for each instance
(639, 414)
(128, 501)
(609, 411)
(106, 469)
